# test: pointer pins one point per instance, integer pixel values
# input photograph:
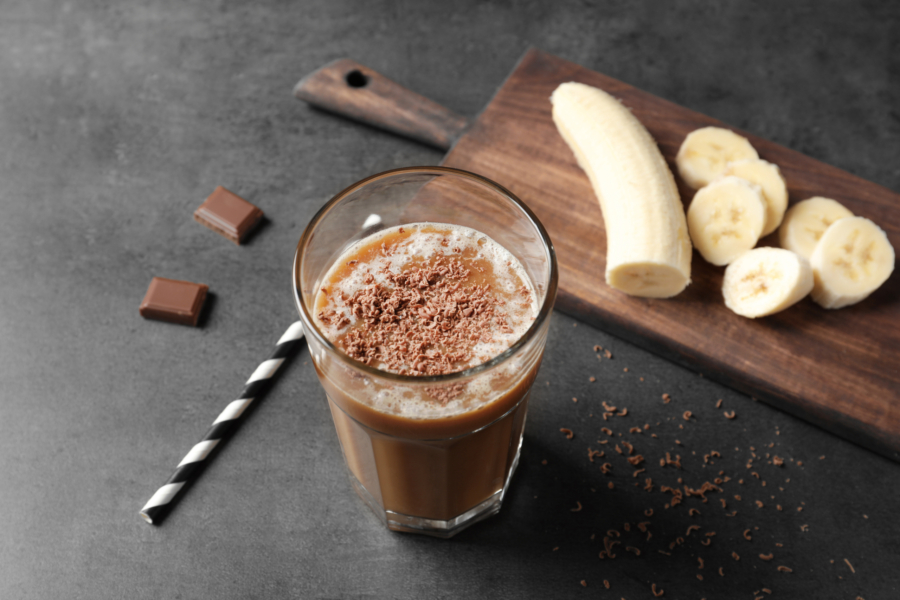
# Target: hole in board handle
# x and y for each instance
(356, 79)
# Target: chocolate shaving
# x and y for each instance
(568, 432)
(423, 321)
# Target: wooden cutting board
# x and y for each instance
(839, 369)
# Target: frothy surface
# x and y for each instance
(427, 299)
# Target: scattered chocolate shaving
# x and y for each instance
(605, 468)
(639, 471)
(635, 460)
(592, 379)
(766, 557)
(759, 504)
(606, 431)
(693, 511)
(849, 565)
(606, 584)
(777, 461)
(583, 583)
(634, 430)
(568, 432)
(700, 560)
(747, 535)
(692, 528)
(648, 512)
(666, 398)
(633, 549)
(729, 414)
(722, 571)
(656, 593)
(784, 569)
(607, 353)
(623, 412)
(628, 447)
(669, 461)
(426, 324)
(702, 491)
(611, 485)
(608, 544)
(699, 576)
(735, 556)
(648, 484)
(719, 403)
(706, 542)
(578, 508)
(767, 590)
(574, 399)
(687, 415)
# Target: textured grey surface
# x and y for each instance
(118, 119)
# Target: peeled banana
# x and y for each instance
(851, 260)
(806, 221)
(765, 281)
(705, 153)
(774, 189)
(648, 250)
(726, 219)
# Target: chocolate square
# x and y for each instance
(228, 214)
(174, 301)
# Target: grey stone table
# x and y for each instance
(118, 118)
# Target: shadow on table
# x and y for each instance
(558, 517)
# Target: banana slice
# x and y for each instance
(774, 189)
(648, 252)
(765, 281)
(852, 259)
(726, 218)
(705, 153)
(806, 221)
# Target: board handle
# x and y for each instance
(349, 89)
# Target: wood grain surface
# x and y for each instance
(839, 369)
(350, 89)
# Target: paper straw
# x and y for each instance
(191, 464)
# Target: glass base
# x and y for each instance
(436, 527)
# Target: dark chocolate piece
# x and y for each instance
(174, 301)
(228, 214)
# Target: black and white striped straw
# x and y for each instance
(189, 467)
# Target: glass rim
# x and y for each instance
(546, 308)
